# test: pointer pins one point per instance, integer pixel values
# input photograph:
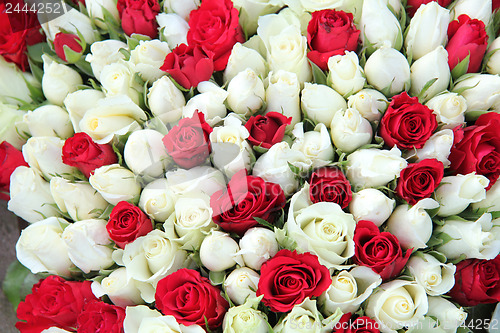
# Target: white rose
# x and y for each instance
(397, 304)
(158, 200)
(315, 5)
(173, 28)
(241, 284)
(251, 10)
(431, 66)
(30, 197)
(456, 192)
(118, 79)
(492, 201)
(482, 93)
(12, 125)
(449, 108)
(121, 290)
(478, 239)
(349, 289)
(148, 57)
(97, 8)
(372, 205)
(166, 100)
(243, 57)
(104, 53)
(345, 75)
(14, 88)
(349, 130)
(475, 9)
(88, 245)
(40, 247)
(181, 8)
(219, 251)
(246, 93)
(257, 246)
(427, 30)
(438, 146)
(114, 115)
(58, 80)
(245, 318)
(374, 167)
(321, 228)
(142, 319)
(78, 199)
(411, 224)
(447, 314)
(115, 183)
(493, 62)
(145, 153)
(320, 102)
(315, 145)
(44, 153)
(379, 26)
(436, 277)
(210, 102)
(78, 102)
(49, 120)
(370, 103)
(388, 71)
(54, 329)
(201, 178)
(282, 95)
(72, 21)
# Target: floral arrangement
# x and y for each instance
(252, 166)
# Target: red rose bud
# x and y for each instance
(419, 180)
(10, 159)
(139, 16)
(68, 46)
(98, 316)
(126, 223)
(330, 184)
(82, 152)
(330, 33)
(191, 299)
(413, 5)
(466, 37)
(267, 130)
(380, 251)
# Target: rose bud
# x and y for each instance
(49, 120)
(349, 130)
(282, 95)
(166, 100)
(173, 29)
(379, 26)
(100, 315)
(158, 200)
(493, 62)
(431, 66)
(73, 22)
(268, 130)
(329, 184)
(482, 93)
(219, 252)
(436, 277)
(345, 75)
(115, 183)
(449, 109)
(258, 245)
(246, 93)
(14, 84)
(413, 5)
(371, 205)
(68, 47)
(126, 223)
(315, 145)
(492, 201)
(210, 101)
(241, 58)
(118, 79)
(181, 8)
(321, 103)
(437, 147)
(58, 80)
(475, 9)
(121, 290)
(147, 58)
(104, 53)
(419, 180)
(141, 318)
(241, 284)
(251, 11)
(145, 153)
(97, 8)
(77, 103)
(202, 178)
(245, 317)
(370, 103)
(138, 17)
(446, 313)
(388, 71)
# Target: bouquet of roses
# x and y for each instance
(252, 165)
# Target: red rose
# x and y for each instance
(466, 36)
(418, 180)
(126, 223)
(69, 40)
(188, 65)
(412, 5)
(214, 26)
(289, 277)
(139, 16)
(82, 152)
(53, 302)
(330, 33)
(191, 299)
(477, 282)
(267, 130)
(246, 197)
(101, 317)
(188, 143)
(495, 5)
(380, 251)
(359, 325)
(18, 29)
(10, 159)
(479, 149)
(330, 184)
(407, 123)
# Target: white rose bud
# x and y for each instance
(142, 319)
(433, 65)
(427, 30)
(475, 9)
(438, 146)
(219, 251)
(79, 102)
(492, 201)
(241, 284)
(436, 277)
(475, 239)
(158, 200)
(58, 80)
(315, 145)
(372, 205)
(320, 102)
(115, 183)
(145, 153)
(97, 8)
(173, 29)
(49, 120)
(345, 75)
(78, 199)
(12, 125)
(14, 84)
(72, 21)
(449, 109)
(245, 318)
(181, 8)
(282, 95)
(243, 57)
(482, 93)
(388, 71)
(456, 192)
(379, 26)
(88, 245)
(121, 290)
(148, 57)
(246, 93)
(370, 103)
(104, 53)
(201, 178)
(54, 329)
(251, 10)
(448, 315)
(374, 167)
(412, 225)
(118, 79)
(166, 100)
(40, 247)
(349, 130)
(210, 102)
(493, 62)
(315, 5)
(257, 246)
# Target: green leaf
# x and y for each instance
(318, 75)
(217, 278)
(461, 68)
(426, 87)
(264, 222)
(473, 115)
(125, 52)
(18, 282)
